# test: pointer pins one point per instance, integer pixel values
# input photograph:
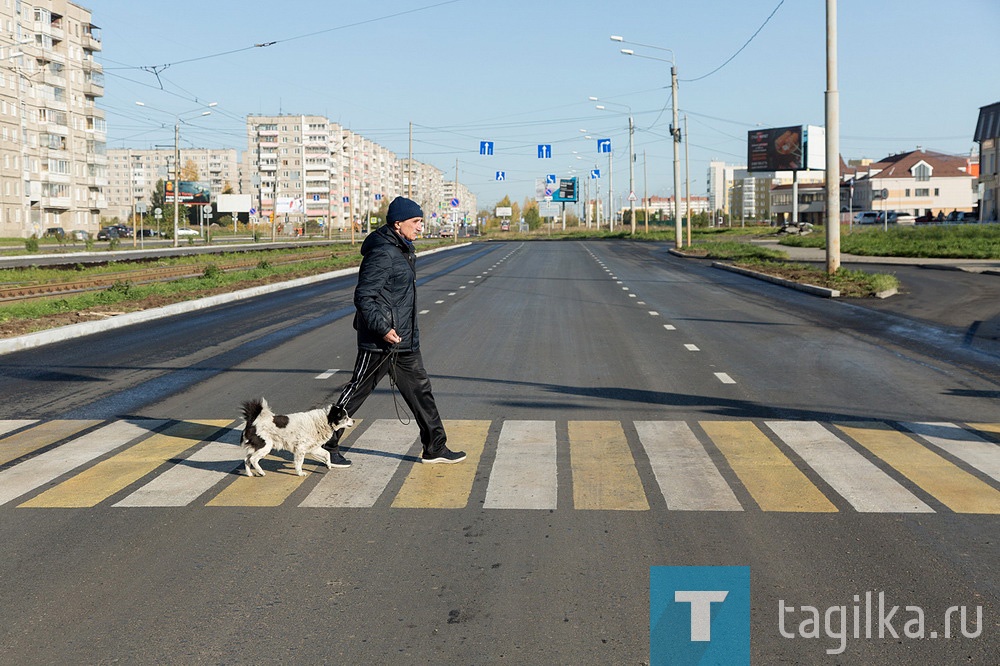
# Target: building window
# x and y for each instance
(907, 192)
(922, 192)
(922, 172)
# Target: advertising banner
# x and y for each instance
(191, 193)
(776, 149)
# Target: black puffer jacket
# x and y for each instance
(386, 295)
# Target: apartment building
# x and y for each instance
(53, 138)
(920, 182)
(133, 174)
(988, 184)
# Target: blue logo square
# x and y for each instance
(699, 615)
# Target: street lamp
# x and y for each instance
(177, 155)
(631, 159)
(674, 128)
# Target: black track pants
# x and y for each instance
(407, 371)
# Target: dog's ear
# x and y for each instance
(263, 404)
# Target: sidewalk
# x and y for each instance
(989, 266)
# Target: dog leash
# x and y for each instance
(391, 357)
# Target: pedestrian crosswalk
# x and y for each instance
(676, 465)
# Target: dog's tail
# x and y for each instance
(252, 409)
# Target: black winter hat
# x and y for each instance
(401, 209)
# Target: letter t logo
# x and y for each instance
(701, 610)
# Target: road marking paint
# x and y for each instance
(375, 455)
(192, 477)
(954, 487)
(631, 295)
(446, 486)
(670, 327)
(724, 378)
(438, 302)
(654, 313)
(423, 312)
(329, 373)
(772, 480)
(452, 293)
(524, 472)
(46, 467)
(8, 426)
(687, 477)
(42, 435)
(970, 448)
(993, 428)
(867, 488)
(691, 347)
(462, 287)
(96, 484)
(604, 472)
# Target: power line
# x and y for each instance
(740, 50)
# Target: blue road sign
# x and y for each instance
(604, 145)
(544, 150)
(595, 173)
(378, 197)
(550, 178)
(347, 199)
(315, 197)
(501, 175)
(485, 147)
(253, 211)
(454, 203)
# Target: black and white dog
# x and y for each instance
(302, 433)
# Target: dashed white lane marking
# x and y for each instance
(328, 373)
(654, 313)
(452, 293)
(423, 312)
(631, 295)
(691, 347)
(724, 378)
(670, 327)
(438, 302)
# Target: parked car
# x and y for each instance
(148, 233)
(107, 233)
(447, 231)
(79, 235)
(55, 232)
(968, 216)
(505, 226)
(904, 219)
(183, 231)
(868, 217)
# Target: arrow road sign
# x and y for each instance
(485, 147)
(501, 175)
(604, 145)
(544, 150)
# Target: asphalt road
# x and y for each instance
(622, 408)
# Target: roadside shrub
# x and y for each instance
(31, 244)
(211, 272)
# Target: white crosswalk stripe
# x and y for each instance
(695, 465)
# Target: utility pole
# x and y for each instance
(687, 181)
(631, 173)
(409, 167)
(177, 183)
(676, 131)
(645, 192)
(832, 143)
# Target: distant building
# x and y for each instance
(988, 138)
(133, 174)
(919, 182)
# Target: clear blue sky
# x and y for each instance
(519, 73)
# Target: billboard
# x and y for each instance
(234, 203)
(289, 205)
(794, 148)
(775, 149)
(566, 191)
(191, 193)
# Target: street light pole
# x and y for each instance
(675, 130)
(631, 158)
(832, 143)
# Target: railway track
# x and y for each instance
(146, 275)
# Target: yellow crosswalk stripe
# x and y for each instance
(993, 428)
(446, 486)
(604, 472)
(103, 480)
(773, 481)
(42, 435)
(957, 489)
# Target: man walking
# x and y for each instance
(388, 339)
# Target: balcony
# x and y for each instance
(56, 202)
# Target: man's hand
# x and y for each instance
(392, 337)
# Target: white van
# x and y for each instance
(868, 217)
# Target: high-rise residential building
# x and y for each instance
(133, 174)
(53, 138)
(307, 168)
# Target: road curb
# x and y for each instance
(41, 338)
(808, 288)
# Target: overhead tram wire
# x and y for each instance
(740, 50)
